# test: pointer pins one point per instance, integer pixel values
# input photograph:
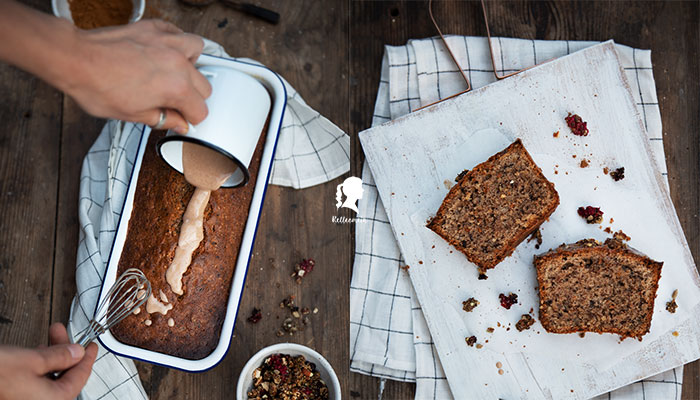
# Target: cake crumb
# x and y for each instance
(675, 333)
(405, 267)
(606, 170)
(448, 184)
(255, 316)
(499, 365)
(618, 174)
(171, 322)
(537, 236)
(671, 306)
(470, 340)
(479, 345)
(584, 163)
(619, 235)
(500, 372)
(526, 321)
(556, 134)
(489, 329)
(582, 334)
(469, 304)
(461, 175)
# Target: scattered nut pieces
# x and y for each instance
(288, 302)
(470, 340)
(619, 235)
(489, 329)
(255, 316)
(508, 301)
(592, 215)
(556, 134)
(526, 321)
(577, 125)
(469, 304)
(671, 306)
(618, 174)
(303, 268)
(584, 163)
(282, 376)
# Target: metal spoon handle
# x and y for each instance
(256, 11)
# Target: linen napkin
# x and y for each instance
(389, 337)
(310, 150)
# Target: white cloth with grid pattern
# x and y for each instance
(389, 337)
(310, 150)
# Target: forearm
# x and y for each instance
(38, 43)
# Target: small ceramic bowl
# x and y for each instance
(245, 380)
(61, 9)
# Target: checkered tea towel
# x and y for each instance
(389, 337)
(310, 150)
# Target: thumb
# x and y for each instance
(60, 357)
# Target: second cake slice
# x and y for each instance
(495, 206)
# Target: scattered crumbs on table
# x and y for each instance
(469, 304)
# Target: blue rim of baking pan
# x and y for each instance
(255, 232)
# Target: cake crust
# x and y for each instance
(495, 206)
(590, 286)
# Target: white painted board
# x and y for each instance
(415, 157)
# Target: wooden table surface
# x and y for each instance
(331, 52)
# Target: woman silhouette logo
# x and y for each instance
(352, 188)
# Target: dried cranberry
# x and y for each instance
(508, 301)
(592, 215)
(276, 362)
(255, 316)
(577, 125)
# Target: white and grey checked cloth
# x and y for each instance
(389, 337)
(310, 150)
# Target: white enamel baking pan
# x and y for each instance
(279, 101)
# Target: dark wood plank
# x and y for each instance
(669, 29)
(29, 151)
(79, 132)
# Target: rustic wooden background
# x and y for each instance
(331, 52)
(46, 136)
(669, 29)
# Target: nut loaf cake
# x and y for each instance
(592, 287)
(495, 206)
(161, 197)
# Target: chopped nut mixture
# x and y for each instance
(508, 301)
(470, 340)
(619, 235)
(469, 304)
(592, 215)
(255, 316)
(303, 268)
(618, 174)
(577, 125)
(526, 321)
(286, 377)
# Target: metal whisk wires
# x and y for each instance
(129, 292)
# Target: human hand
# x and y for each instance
(23, 372)
(132, 72)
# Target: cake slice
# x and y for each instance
(592, 287)
(495, 206)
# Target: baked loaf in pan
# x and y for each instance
(161, 196)
(495, 206)
(592, 287)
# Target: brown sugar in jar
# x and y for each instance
(92, 14)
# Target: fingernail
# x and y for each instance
(76, 350)
(182, 129)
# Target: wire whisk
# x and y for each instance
(128, 293)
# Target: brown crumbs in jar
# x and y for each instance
(255, 316)
(577, 125)
(526, 321)
(508, 301)
(592, 215)
(671, 306)
(470, 340)
(303, 268)
(286, 377)
(469, 304)
(618, 174)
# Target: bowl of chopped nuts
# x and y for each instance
(288, 370)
